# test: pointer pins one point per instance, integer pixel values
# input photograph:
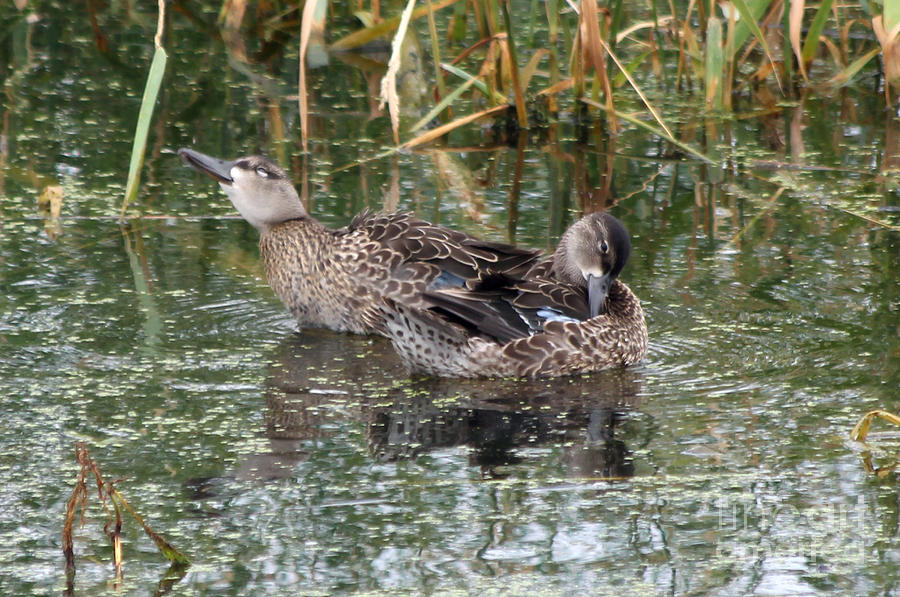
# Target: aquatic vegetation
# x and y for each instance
(606, 46)
(107, 494)
(861, 432)
(590, 52)
(151, 90)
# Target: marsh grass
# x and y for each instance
(594, 60)
(588, 50)
(729, 47)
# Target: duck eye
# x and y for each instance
(604, 248)
(262, 172)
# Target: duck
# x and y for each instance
(568, 315)
(337, 278)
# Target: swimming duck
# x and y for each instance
(569, 314)
(337, 278)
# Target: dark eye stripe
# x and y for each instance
(260, 168)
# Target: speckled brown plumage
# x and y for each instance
(337, 278)
(430, 344)
(544, 324)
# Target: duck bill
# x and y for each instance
(219, 170)
(597, 289)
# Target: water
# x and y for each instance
(307, 462)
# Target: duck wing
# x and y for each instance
(401, 243)
(503, 309)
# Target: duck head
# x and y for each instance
(258, 188)
(591, 254)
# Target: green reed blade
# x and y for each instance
(446, 101)
(715, 62)
(518, 90)
(750, 14)
(656, 131)
(435, 51)
(165, 548)
(479, 84)
(846, 75)
(619, 79)
(815, 30)
(891, 14)
(145, 115)
(748, 18)
(364, 36)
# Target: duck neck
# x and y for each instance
(564, 269)
(303, 220)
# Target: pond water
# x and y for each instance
(284, 461)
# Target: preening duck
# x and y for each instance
(568, 314)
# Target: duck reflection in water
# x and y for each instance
(320, 382)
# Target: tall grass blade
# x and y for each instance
(165, 548)
(79, 496)
(531, 67)
(636, 88)
(748, 19)
(861, 429)
(496, 96)
(145, 117)
(389, 81)
(715, 61)
(618, 14)
(795, 20)
(446, 128)
(557, 87)
(787, 56)
(489, 71)
(364, 36)
(313, 19)
(660, 23)
(815, 30)
(690, 54)
(755, 10)
(890, 49)
(620, 79)
(730, 62)
(668, 137)
(145, 114)
(518, 89)
(576, 64)
(591, 37)
(435, 51)
(846, 75)
(443, 104)
(552, 9)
